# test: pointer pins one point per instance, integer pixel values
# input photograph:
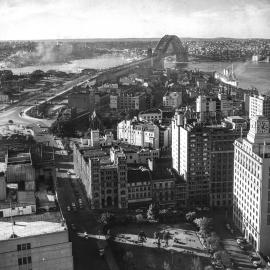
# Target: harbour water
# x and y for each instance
(249, 74)
(101, 62)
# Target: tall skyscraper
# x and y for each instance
(259, 105)
(251, 202)
(203, 156)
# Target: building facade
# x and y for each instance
(105, 180)
(172, 99)
(139, 187)
(138, 133)
(127, 101)
(40, 244)
(251, 193)
(259, 105)
(203, 156)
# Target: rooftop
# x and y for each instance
(15, 157)
(31, 225)
(154, 110)
(138, 175)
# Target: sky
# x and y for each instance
(58, 19)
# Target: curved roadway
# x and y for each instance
(18, 113)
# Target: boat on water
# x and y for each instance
(260, 58)
(227, 77)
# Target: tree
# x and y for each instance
(204, 224)
(150, 213)
(190, 216)
(223, 256)
(213, 241)
(106, 218)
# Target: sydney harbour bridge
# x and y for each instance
(168, 45)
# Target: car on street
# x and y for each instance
(241, 240)
(85, 235)
(74, 207)
(257, 263)
(254, 257)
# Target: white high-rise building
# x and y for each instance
(177, 122)
(251, 193)
(259, 105)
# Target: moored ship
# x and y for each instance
(260, 58)
(227, 77)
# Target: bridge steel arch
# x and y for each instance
(178, 48)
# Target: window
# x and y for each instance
(28, 246)
(19, 247)
(268, 219)
(29, 259)
(19, 261)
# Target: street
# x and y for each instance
(239, 256)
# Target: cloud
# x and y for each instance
(44, 19)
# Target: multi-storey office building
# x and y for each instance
(138, 133)
(139, 187)
(259, 105)
(135, 154)
(203, 156)
(105, 180)
(251, 193)
(128, 101)
(168, 188)
(172, 99)
(35, 242)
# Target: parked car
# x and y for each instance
(254, 257)
(257, 263)
(241, 240)
(74, 206)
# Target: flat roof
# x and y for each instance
(31, 225)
